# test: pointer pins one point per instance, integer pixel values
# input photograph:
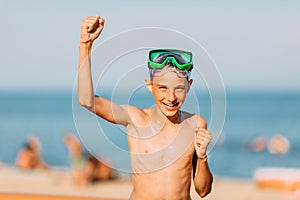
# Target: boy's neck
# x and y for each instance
(163, 120)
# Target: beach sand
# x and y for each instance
(54, 184)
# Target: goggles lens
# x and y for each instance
(158, 58)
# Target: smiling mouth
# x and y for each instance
(171, 105)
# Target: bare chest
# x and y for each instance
(161, 149)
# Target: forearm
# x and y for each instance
(85, 84)
(98, 105)
(203, 178)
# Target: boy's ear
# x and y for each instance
(149, 85)
(190, 82)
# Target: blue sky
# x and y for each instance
(255, 45)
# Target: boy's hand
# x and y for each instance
(202, 140)
(91, 28)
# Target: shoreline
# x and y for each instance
(45, 197)
(53, 184)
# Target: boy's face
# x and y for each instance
(169, 91)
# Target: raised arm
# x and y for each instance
(91, 28)
(202, 176)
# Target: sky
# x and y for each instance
(254, 44)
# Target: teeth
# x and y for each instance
(171, 105)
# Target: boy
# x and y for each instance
(166, 144)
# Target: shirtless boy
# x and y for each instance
(168, 146)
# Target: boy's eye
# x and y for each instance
(180, 89)
(162, 87)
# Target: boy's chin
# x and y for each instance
(170, 113)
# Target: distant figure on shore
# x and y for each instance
(97, 171)
(85, 169)
(256, 145)
(29, 157)
(278, 144)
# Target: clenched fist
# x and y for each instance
(202, 140)
(91, 27)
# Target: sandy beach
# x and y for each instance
(16, 184)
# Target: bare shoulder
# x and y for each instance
(137, 115)
(195, 119)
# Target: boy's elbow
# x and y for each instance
(86, 104)
(203, 192)
(85, 99)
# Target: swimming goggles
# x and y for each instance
(158, 58)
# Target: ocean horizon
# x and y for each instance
(249, 115)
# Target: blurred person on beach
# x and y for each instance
(278, 144)
(256, 145)
(29, 157)
(85, 169)
(167, 146)
(97, 170)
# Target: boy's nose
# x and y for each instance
(171, 96)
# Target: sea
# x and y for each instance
(51, 115)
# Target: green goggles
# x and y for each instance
(158, 58)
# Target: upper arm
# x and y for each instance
(114, 113)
